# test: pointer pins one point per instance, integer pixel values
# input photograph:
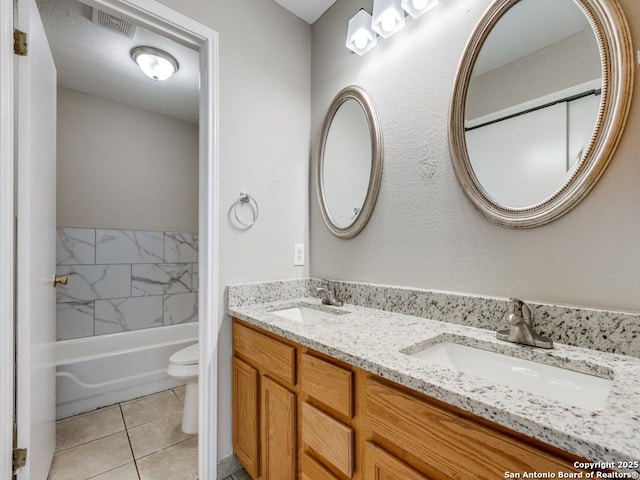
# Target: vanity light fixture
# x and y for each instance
(416, 8)
(360, 37)
(156, 64)
(388, 17)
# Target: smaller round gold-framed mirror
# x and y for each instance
(349, 163)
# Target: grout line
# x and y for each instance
(88, 441)
(173, 390)
(169, 446)
(110, 470)
(135, 462)
(126, 430)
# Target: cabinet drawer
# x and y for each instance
(327, 383)
(379, 464)
(456, 446)
(312, 470)
(328, 438)
(267, 354)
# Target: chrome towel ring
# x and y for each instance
(246, 198)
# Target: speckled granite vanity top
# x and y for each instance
(373, 339)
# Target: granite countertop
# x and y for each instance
(373, 340)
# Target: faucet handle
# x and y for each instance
(521, 309)
(328, 297)
(516, 305)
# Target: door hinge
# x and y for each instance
(19, 458)
(19, 42)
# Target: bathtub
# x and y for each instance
(94, 372)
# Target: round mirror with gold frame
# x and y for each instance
(538, 107)
(349, 165)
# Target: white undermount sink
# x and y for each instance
(565, 386)
(303, 313)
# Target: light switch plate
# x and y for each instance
(298, 254)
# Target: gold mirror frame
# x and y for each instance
(616, 52)
(375, 177)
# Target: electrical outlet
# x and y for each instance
(298, 254)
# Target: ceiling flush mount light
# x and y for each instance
(388, 17)
(155, 63)
(415, 8)
(360, 37)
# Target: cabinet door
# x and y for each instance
(380, 465)
(278, 422)
(245, 415)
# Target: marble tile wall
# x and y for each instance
(121, 280)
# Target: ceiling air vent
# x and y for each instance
(112, 23)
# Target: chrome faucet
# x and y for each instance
(520, 329)
(328, 298)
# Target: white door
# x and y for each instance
(36, 210)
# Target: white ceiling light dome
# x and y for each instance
(155, 63)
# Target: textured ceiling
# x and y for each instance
(94, 60)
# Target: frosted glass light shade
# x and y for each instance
(360, 37)
(155, 63)
(388, 17)
(415, 8)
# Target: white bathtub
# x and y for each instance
(94, 372)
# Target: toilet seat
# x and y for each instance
(187, 356)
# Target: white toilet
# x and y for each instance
(183, 366)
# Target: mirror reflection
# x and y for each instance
(533, 101)
(347, 163)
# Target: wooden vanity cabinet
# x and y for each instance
(301, 414)
(246, 389)
(278, 429)
(264, 404)
(381, 465)
(442, 442)
(327, 430)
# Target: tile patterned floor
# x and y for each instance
(136, 440)
(241, 475)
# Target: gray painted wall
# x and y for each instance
(264, 75)
(423, 232)
(124, 167)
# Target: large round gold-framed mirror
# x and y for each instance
(538, 107)
(349, 163)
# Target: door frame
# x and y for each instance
(7, 237)
(161, 19)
